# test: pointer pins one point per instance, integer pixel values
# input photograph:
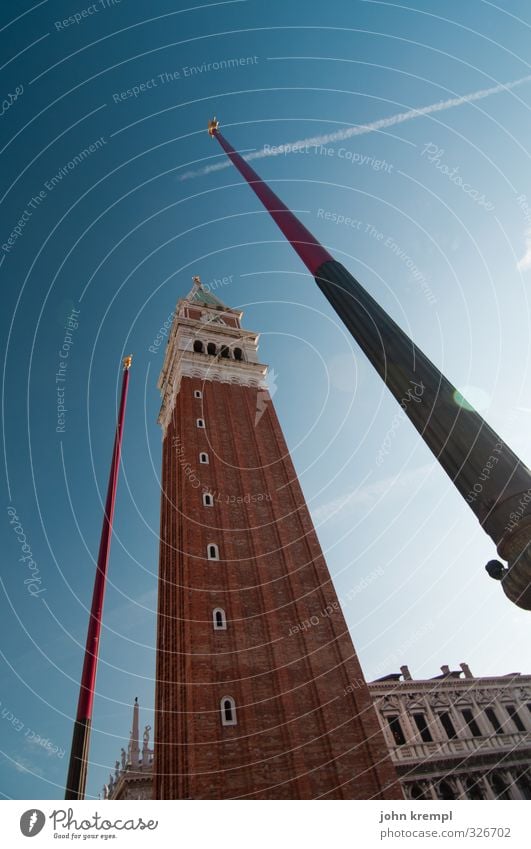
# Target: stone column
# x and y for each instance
(510, 779)
(485, 783)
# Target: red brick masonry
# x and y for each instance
(303, 731)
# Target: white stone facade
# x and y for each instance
(456, 736)
(207, 341)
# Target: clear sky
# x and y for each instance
(116, 235)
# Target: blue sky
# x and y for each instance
(119, 235)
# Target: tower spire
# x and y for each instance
(490, 477)
(135, 736)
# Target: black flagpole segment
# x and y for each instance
(493, 481)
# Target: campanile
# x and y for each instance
(259, 692)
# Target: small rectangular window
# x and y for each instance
(203, 457)
(198, 393)
(208, 500)
(200, 423)
(513, 713)
(424, 731)
(396, 730)
(471, 722)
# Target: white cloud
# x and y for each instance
(525, 263)
(370, 493)
(374, 126)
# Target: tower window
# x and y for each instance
(493, 719)
(198, 346)
(208, 501)
(471, 722)
(198, 393)
(212, 551)
(513, 713)
(448, 725)
(203, 457)
(211, 348)
(225, 352)
(396, 730)
(219, 620)
(200, 423)
(228, 711)
(238, 354)
(424, 731)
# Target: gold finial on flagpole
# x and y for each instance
(127, 362)
(213, 125)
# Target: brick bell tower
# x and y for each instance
(250, 701)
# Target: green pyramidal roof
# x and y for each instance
(201, 296)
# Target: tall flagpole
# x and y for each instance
(77, 768)
(488, 475)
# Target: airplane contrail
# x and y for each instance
(362, 129)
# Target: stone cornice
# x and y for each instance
(515, 679)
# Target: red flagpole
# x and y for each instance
(77, 769)
(460, 439)
(305, 244)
